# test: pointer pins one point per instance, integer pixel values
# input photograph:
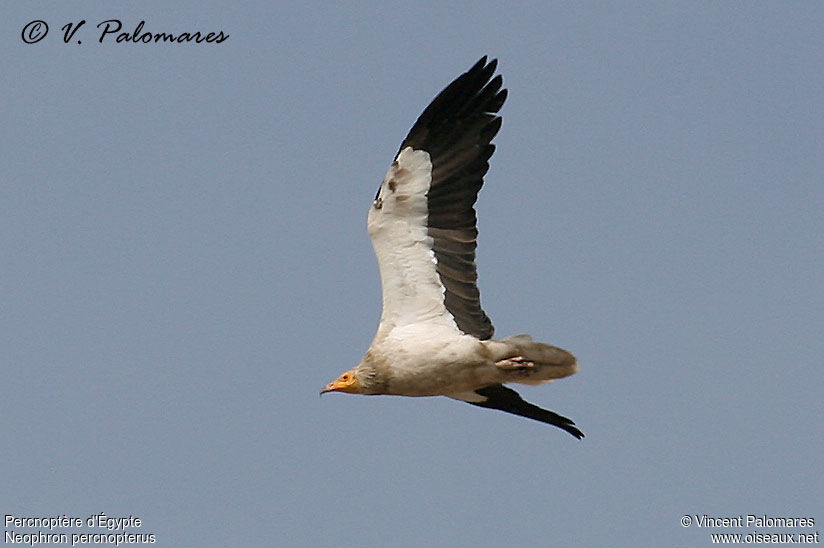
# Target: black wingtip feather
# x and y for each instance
(455, 97)
(505, 399)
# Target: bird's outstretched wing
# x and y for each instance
(505, 399)
(423, 223)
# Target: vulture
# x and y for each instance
(434, 339)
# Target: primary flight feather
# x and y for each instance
(434, 339)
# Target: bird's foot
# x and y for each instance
(518, 363)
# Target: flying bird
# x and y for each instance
(434, 339)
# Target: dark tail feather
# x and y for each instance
(505, 399)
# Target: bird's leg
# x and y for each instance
(518, 363)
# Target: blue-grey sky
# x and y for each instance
(184, 264)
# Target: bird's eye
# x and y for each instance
(344, 377)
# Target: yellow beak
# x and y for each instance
(345, 383)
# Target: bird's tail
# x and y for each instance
(550, 361)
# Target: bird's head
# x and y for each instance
(362, 379)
